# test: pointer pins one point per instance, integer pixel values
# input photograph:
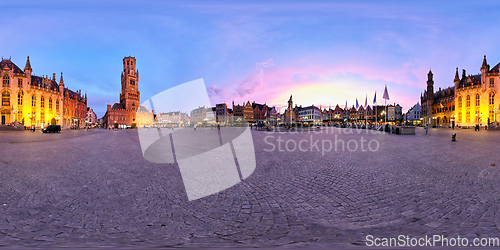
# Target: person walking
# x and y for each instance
(426, 129)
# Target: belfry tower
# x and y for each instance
(130, 96)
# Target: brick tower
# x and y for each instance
(130, 96)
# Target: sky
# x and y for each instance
(323, 53)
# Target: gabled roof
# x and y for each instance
(495, 69)
(117, 106)
(38, 81)
(11, 66)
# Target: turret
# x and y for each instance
(456, 80)
(27, 71)
(61, 84)
(484, 70)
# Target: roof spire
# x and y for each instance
(28, 64)
(485, 65)
(456, 75)
(61, 81)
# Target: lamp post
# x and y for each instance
(453, 122)
(383, 116)
(496, 112)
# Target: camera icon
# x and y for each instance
(210, 158)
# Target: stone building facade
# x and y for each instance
(29, 100)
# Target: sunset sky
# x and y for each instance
(322, 52)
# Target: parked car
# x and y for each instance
(52, 128)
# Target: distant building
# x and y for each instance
(124, 114)
(310, 115)
(413, 115)
(91, 117)
(198, 116)
(291, 114)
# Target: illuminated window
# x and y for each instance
(42, 102)
(42, 117)
(467, 99)
(6, 81)
(492, 98)
(20, 116)
(459, 102)
(20, 83)
(50, 103)
(467, 116)
(33, 100)
(459, 117)
(5, 98)
(19, 99)
(492, 82)
(57, 105)
(477, 100)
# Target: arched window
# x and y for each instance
(492, 98)
(57, 105)
(5, 98)
(477, 100)
(467, 100)
(20, 99)
(42, 102)
(33, 100)
(50, 103)
(6, 81)
(459, 101)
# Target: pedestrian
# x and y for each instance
(195, 127)
(426, 129)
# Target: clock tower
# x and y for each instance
(130, 96)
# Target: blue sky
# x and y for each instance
(322, 52)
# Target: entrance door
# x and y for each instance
(53, 121)
(3, 120)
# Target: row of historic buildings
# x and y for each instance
(471, 101)
(30, 100)
(361, 115)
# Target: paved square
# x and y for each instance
(94, 188)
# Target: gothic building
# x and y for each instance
(470, 102)
(128, 113)
(29, 100)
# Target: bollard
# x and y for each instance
(454, 137)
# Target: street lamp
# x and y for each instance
(496, 112)
(383, 116)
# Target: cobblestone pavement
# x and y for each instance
(94, 188)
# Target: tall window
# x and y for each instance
(132, 82)
(492, 98)
(20, 83)
(459, 116)
(459, 102)
(477, 100)
(57, 105)
(20, 116)
(467, 100)
(42, 102)
(5, 98)
(50, 103)
(33, 100)
(19, 99)
(467, 116)
(42, 116)
(6, 81)
(492, 82)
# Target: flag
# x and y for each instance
(357, 105)
(345, 105)
(386, 94)
(265, 115)
(366, 101)
(375, 98)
